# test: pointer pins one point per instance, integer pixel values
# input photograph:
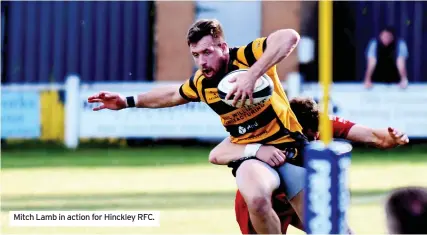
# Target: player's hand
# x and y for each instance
(271, 155)
(243, 89)
(109, 100)
(397, 138)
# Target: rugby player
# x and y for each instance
(307, 113)
(271, 122)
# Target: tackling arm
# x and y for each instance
(226, 152)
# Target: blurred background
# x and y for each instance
(57, 154)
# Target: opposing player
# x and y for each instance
(271, 122)
(308, 115)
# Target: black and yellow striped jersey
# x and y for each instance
(271, 122)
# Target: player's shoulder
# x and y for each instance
(335, 118)
(257, 43)
(196, 76)
(248, 54)
(340, 126)
(341, 122)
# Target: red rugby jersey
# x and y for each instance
(340, 126)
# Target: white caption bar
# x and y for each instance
(84, 218)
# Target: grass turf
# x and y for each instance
(192, 195)
(168, 155)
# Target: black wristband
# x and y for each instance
(130, 100)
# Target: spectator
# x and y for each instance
(386, 59)
(406, 211)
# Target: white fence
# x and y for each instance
(382, 106)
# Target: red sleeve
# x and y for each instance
(341, 127)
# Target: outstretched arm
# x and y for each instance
(162, 97)
(380, 138)
(384, 138)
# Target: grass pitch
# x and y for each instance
(192, 195)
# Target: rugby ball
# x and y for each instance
(263, 89)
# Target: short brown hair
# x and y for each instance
(203, 28)
(307, 112)
(406, 210)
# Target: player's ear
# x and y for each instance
(224, 47)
